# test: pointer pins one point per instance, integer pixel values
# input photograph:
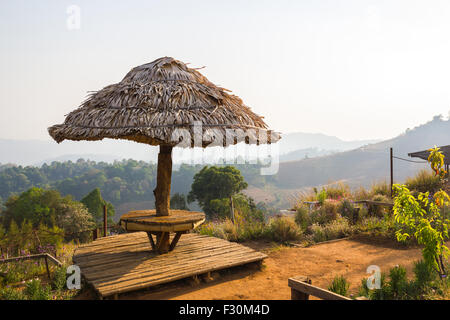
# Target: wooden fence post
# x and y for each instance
(105, 220)
(95, 234)
(355, 215)
(298, 295)
(46, 266)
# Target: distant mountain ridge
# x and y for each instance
(300, 140)
(37, 152)
(364, 165)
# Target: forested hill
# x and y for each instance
(120, 182)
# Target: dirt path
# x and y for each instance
(320, 262)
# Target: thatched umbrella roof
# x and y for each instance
(153, 101)
(163, 103)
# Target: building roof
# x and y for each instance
(425, 153)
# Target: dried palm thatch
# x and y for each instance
(160, 103)
(163, 103)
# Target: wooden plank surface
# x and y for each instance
(124, 263)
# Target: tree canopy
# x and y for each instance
(94, 204)
(215, 183)
(47, 209)
(119, 182)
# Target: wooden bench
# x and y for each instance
(178, 222)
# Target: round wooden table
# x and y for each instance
(178, 222)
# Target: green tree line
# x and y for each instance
(119, 182)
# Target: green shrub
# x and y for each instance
(424, 274)
(11, 294)
(339, 285)
(240, 230)
(230, 230)
(335, 229)
(302, 217)
(13, 276)
(398, 287)
(363, 290)
(220, 207)
(322, 196)
(317, 232)
(59, 279)
(34, 290)
(380, 227)
(379, 294)
(284, 229)
(345, 209)
(361, 194)
(252, 231)
(424, 181)
(379, 188)
(211, 229)
(337, 191)
(378, 211)
(330, 210)
(398, 282)
(326, 213)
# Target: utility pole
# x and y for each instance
(392, 172)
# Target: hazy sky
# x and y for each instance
(355, 69)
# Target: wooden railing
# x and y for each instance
(301, 289)
(47, 257)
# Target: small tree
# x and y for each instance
(94, 203)
(215, 183)
(425, 217)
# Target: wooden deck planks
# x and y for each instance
(126, 262)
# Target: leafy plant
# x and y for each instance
(302, 217)
(425, 217)
(424, 181)
(34, 290)
(322, 196)
(339, 285)
(436, 160)
(398, 282)
(337, 191)
(346, 209)
(8, 293)
(424, 274)
(94, 202)
(284, 229)
(335, 229)
(59, 278)
(325, 213)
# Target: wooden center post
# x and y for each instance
(162, 194)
